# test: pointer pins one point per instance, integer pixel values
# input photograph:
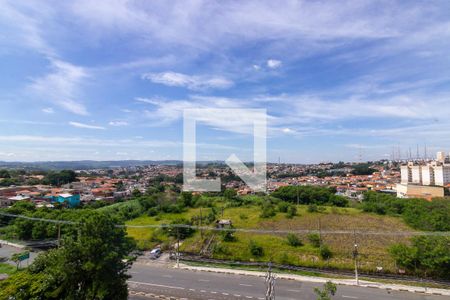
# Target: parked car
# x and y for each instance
(155, 253)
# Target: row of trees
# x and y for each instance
(418, 213)
(310, 195)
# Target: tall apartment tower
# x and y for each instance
(440, 156)
(435, 173)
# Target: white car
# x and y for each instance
(155, 253)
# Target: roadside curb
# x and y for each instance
(349, 282)
(3, 242)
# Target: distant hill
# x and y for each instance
(84, 164)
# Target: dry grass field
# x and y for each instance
(372, 247)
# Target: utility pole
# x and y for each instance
(201, 221)
(59, 235)
(355, 257)
(178, 248)
(270, 283)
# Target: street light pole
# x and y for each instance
(178, 249)
(355, 257)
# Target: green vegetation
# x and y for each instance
(418, 213)
(293, 240)
(428, 255)
(60, 178)
(329, 289)
(7, 269)
(89, 265)
(310, 195)
(318, 212)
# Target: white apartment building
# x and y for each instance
(436, 173)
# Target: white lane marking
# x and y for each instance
(168, 276)
(248, 297)
(225, 294)
(236, 295)
(296, 291)
(213, 292)
(158, 285)
(192, 290)
(202, 291)
(243, 284)
(351, 297)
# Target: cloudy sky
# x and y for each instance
(340, 80)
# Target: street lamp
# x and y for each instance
(355, 257)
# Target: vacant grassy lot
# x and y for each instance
(372, 247)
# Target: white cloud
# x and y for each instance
(273, 63)
(118, 123)
(61, 85)
(48, 110)
(191, 82)
(87, 126)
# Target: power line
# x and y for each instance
(247, 230)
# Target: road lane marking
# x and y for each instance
(202, 291)
(237, 295)
(168, 276)
(243, 284)
(204, 280)
(158, 285)
(351, 297)
(248, 297)
(213, 292)
(225, 294)
(295, 291)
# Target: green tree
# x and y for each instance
(89, 265)
(4, 174)
(255, 249)
(293, 240)
(325, 252)
(329, 289)
(291, 212)
(230, 194)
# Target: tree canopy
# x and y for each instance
(89, 265)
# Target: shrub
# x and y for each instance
(325, 252)
(228, 236)
(293, 240)
(283, 207)
(268, 210)
(255, 249)
(314, 239)
(313, 208)
(243, 216)
(220, 249)
(291, 212)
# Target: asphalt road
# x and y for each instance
(161, 280)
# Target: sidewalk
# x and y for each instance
(362, 283)
(3, 242)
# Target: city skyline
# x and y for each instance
(110, 80)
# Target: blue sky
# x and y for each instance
(341, 80)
